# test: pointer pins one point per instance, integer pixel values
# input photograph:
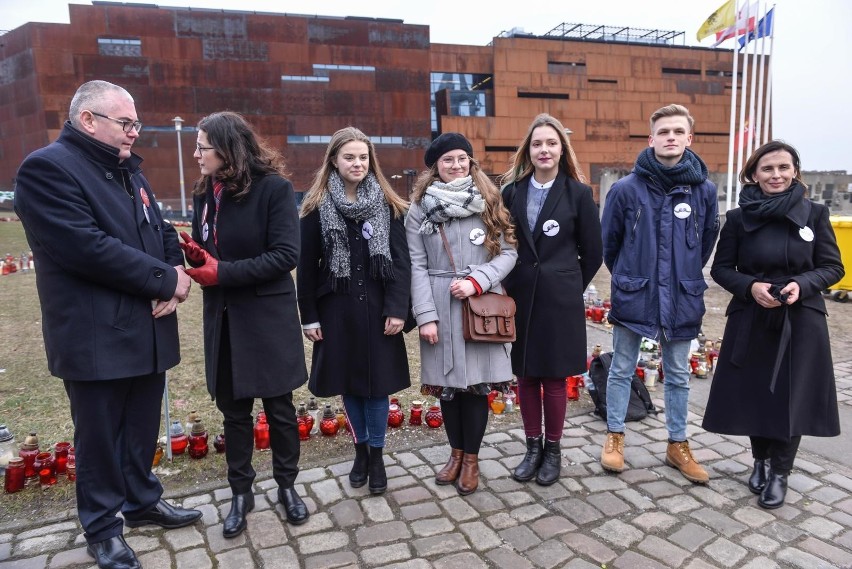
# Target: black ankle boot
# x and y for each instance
(551, 465)
(529, 466)
(757, 480)
(358, 474)
(235, 521)
(378, 477)
(774, 492)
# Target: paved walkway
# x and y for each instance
(648, 516)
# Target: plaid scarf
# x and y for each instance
(445, 201)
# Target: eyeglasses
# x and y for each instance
(126, 125)
(200, 148)
(449, 161)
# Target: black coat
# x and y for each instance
(550, 276)
(355, 357)
(100, 261)
(804, 400)
(258, 248)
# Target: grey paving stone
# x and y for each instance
(434, 526)
(632, 560)
(326, 541)
(411, 495)
(160, 560)
(782, 532)
(401, 482)
(384, 554)
(41, 544)
(837, 556)
(77, 556)
(618, 533)
(183, 538)
(549, 553)
(420, 511)
(710, 497)
(377, 510)
(491, 469)
(311, 475)
(480, 535)
(660, 489)
(725, 552)
(484, 502)
(234, 559)
(719, 521)
(761, 563)
(548, 493)
(141, 543)
(222, 494)
(505, 558)
(265, 529)
(654, 522)
(209, 514)
(39, 562)
(665, 551)
(197, 558)
(327, 491)
(217, 543)
(578, 563)
(636, 499)
(815, 508)
(466, 560)
(458, 509)
(551, 526)
(753, 517)
(802, 559)
(802, 483)
(347, 514)
(529, 512)
(609, 503)
(636, 476)
(513, 499)
(382, 533)
(320, 521)
(821, 527)
(577, 511)
(520, 537)
(195, 501)
(760, 543)
(839, 480)
(691, 536)
(47, 530)
(331, 560)
(699, 564)
(283, 557)
(501, 520)
(679, 504)
(439, 544)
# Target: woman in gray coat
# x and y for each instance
(455, 200)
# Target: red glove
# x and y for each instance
(193, 251)
(208, 273)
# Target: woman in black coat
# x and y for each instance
(354, 283)
(245, 243)
(559, 252)
(774, 379)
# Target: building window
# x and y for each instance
(120, 47)
(678, 71)
(468, 95)
(322, 69)
(325, 139)
(304, 78)
(532, 95)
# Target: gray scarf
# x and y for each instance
(371, 206)
(445, 201)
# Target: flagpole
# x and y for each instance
(730, 189)
(752, 36)
(768, 109)
(758, 131)
(742, 104)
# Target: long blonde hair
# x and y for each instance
(319, 187)
(495, 216)
(522, 166)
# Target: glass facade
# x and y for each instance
(468, 95)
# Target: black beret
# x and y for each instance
(443, 144)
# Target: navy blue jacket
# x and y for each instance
(655, 246)
(99, 260)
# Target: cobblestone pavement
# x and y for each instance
(648, 516)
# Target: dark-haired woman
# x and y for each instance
(245, 243)
(354, 288)
(774, 379)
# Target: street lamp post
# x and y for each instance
(178, 127)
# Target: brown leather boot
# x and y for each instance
(450, 472)
(469, 476)
(679, 456)
(612, 453)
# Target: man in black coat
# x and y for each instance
(110, 276)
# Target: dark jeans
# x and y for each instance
(465, 419)
(368, 417)
(554, 404)
(781, 454)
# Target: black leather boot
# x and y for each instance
(378, 476)
(235, 522)
(529, 466)
(774, 492)
(551, 465)
(358, 474)
(757, 480)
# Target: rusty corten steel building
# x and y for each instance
(299, 78)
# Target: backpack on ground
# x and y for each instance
(640, 404)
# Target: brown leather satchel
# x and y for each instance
(489, 317)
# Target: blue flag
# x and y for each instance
(763, 28)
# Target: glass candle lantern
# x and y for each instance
(60, 453)
(341, 419)
(190, 421)
(395, 416)
(314, 412)
(328, 424)
(497, 404)
(198, 447)
(416, 416)
(572, 388)
(261, 432)
(29, 451)
(651, 375)
(46, 469)
(14, 475)
(158, 455)
(304, 422)
(434, 418)
(219, 443)
(179, 438)
(7, 446)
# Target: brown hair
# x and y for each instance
(747, 173)
(319, 187)
(522, 166)
(672, 110)
(244, 153)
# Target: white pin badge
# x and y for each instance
(367, 230)
(806, 233)
(682, 210)
(477, 236)
(204, 231)
(550, 227)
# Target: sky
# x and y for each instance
(812, 49)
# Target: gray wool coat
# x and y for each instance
(452, 362)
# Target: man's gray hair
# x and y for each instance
(89, 96)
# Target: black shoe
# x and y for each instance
(113, 553)
(551, 466)
(774, 492)
(164, 515)
(235, 522)
(358, 474)
(529, 466)
(294, 507)
(757, 480)
(378, 476)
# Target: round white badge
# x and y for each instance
(367, 230)
(550, 227)
(477, 236)
(682, 210)
(205, 233)
(806, 233)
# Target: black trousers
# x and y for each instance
(465, 419)
(239, 430)
(116, 424)
(781, 454)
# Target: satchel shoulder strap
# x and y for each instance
(447, 247)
